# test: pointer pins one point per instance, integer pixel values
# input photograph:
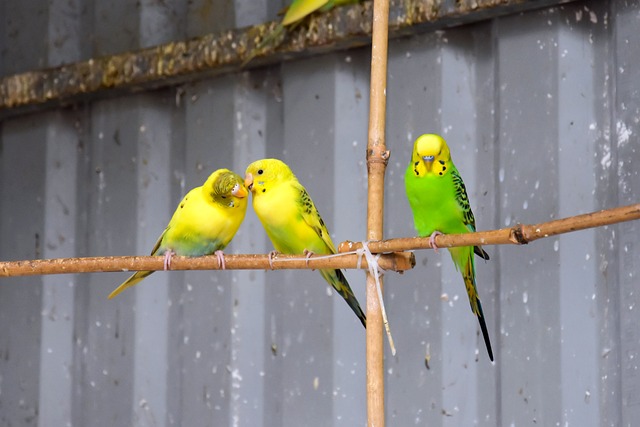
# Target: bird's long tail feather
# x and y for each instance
(135, 278)
(485, 332)
(468, 274)
(481, 253)
(339, 282)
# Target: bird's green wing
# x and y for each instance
(467, 214)
(312, 218)
(335, 278)
(463, 201)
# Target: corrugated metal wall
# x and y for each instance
(541, 110)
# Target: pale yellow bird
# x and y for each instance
(292, 221)
(204, 223)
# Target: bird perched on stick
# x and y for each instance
(439, 202)
(295, 13)
(292, 221)
(204, 223)
(300, 9)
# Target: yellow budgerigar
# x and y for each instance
(292, 221)
(204, 223)
(300, 9)
(295, 13)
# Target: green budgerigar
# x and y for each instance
(439, 202)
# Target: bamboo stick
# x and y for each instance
(520, 234)
(396, 262)
(377, 157)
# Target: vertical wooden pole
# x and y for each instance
(377, 157)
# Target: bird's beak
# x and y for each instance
(248, 181)
(428, 162)
(240, 192)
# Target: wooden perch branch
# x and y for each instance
(396, 262)
(520, 234)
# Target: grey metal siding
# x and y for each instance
(541, 113)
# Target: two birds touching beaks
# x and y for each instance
(209, 216)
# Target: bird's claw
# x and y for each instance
(220, 257)
(167, 259)
(308, 254)
(272, 254)
(432, 240)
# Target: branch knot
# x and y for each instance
(378, 155)
(517, 235)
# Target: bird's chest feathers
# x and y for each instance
(433, 193)
(276, 206)
(199, 224)
(212, 217)
(432, 199)
(280, 213)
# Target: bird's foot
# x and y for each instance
(308, 254)
(167, 259)
(432, 240)
(272, 254)
(220, 257)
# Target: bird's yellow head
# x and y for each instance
(431, 155)
(226, 188)
(262, 175)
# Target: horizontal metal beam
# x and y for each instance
(215, 54)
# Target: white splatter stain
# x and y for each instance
(605, 162)
(623, 133)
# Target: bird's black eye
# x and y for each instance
(260, 171)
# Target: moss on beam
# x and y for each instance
(214, 54)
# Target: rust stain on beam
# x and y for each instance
(214, 54)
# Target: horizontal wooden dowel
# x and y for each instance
(397, 262)
(520, 234)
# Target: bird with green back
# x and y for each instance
(439, 201)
